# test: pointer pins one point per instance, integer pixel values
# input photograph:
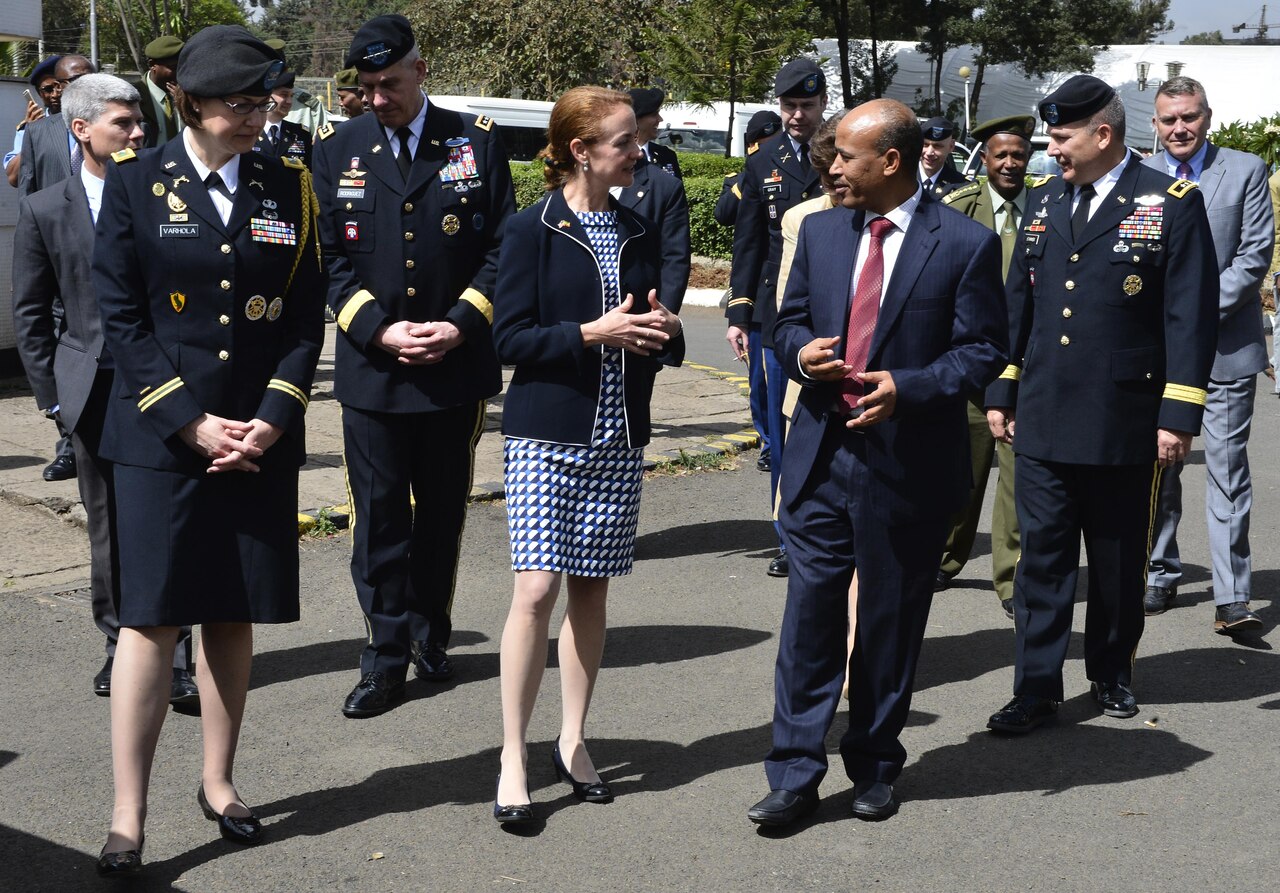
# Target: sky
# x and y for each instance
(1195, 16)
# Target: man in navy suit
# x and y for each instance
(893, 312)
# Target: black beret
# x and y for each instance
(762, 124)
(1019, 125)
(223, 60)
(287, 79)
(166, 47)
(800, 78)
(937, 129)
(380, 42)
(347, 79)
(44, 70)
(646, 102)
(1078, 98)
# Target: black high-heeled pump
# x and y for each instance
(520, 814)
(244, 830)
(122, 863)
(586, 791)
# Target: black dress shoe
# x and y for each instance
(374, 695)
(1235, 617)
(183, 691)
(430, 662)
(62, 468)
(1114, 699)
(586, 791)
(102, 681)
(782, 808)
(1158, 599)
(246, 830)
(765, 462)
(943, 581)
(1006, 605)
(780, 566)
(520, 814)
(1022, 714)
(874, 801)
(119, 864)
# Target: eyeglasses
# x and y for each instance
(50, 89)
(75, 77)
(248, 108)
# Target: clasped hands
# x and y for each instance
(643, 334)
(819, 362)
(229, 444)
(418, 343)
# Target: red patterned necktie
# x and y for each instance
(864, 307)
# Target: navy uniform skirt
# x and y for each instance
(211, 549)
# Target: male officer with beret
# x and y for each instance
(997, 201)
(647, 104)
(1113, 322)
(776, 177)
(937, 176)
(159, 118)
(281, 138)
(761, 125)
(413, 201)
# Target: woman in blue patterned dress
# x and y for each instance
(578, 314)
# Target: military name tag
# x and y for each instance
(275, 232)
(351, 193)
(179, 230)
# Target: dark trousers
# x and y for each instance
(831, 532)
(96, 480)
(776, 388)
(404, 557)
(758, 389)
(1112, 507)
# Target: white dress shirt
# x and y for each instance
(230, 174)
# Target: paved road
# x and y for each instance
(1180, 798)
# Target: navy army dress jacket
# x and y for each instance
(772, 183)
(549, 284)
(1113, 335)
(658, 196)
(206, 317)
(422, 251)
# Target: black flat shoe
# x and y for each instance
(120, 864)
(1114, 699)
(374, 695)
(430, 662)
(874, 801)
(781, 808)
(520, 814)
(586, 791)
(102, 681)
(245, 830)
(182, 690)
(1022, 714)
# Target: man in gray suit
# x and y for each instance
(48, 146)
(68, 364)
(1234, 185)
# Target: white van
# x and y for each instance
(522, 122)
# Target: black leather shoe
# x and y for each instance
(120, 864)
(943, 581)
(1006, 605)
(374, 695)
(873, 801)
(246, 830)
(520, 814)
(1235, 617)
(1158, 599)
(780, 566)
(765, 462)
(782, 808)
(586, 791)
(1022, 714)
(183, 691)
(430, 662)
(102, 680)
(1114, 699)
(62, 468)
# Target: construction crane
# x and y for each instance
(1260, 28)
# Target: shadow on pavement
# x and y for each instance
(730, 536)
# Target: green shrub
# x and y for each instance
(1261, 137)
(702, 164)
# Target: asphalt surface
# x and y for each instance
(1179, 798)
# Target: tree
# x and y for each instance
(317, 33)
(946, 25)
(712, 50)
(1204, 38)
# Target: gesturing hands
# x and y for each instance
(643, 334)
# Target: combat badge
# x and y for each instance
(176, 205)
(157, 189)
(275, 309)
(178, 300)
(255, 308)
(1132, 285)
(450, 224)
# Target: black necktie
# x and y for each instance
(404, 159)
(1080, 219)
(804, 157)
(214, 183)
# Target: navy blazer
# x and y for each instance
(548, 285)
(659, 196)
(941, 332)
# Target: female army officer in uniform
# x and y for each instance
(208, 277)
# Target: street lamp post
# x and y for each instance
(964, 72)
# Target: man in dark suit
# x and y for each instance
(68, 366)
(877, 457)
(1112, 319)
(658, 196)
(413, 200)
(47, 147)
(777, 176)
(159, 117)
(1234, 185)
(647, 105)
(937, 175)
